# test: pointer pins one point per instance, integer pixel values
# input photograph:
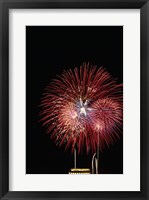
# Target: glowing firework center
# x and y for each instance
(82, 107)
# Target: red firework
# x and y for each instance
(83, 108)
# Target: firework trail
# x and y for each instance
(83, 108)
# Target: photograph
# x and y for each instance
(74, 100)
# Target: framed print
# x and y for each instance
(74, 99)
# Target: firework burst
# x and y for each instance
(83, 108)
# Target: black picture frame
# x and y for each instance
(5, 5)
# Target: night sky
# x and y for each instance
(50, 50)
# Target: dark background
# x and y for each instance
(49, 50)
